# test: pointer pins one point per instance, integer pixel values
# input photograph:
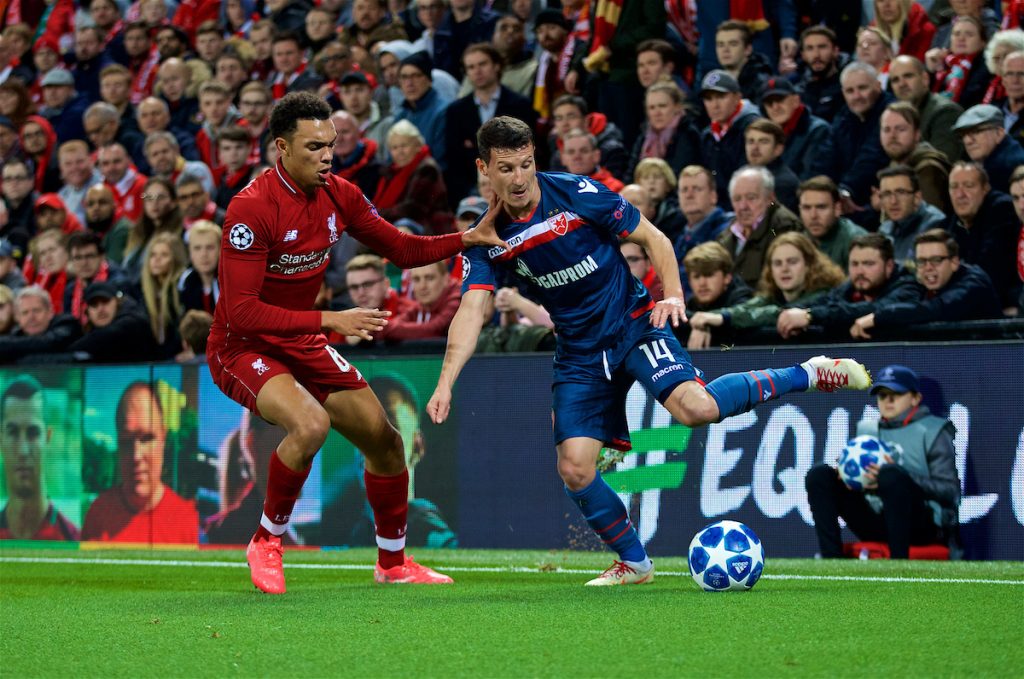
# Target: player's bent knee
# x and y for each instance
(310, 430)
(576, 475)
(692, 405)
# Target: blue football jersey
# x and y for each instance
(567, 252)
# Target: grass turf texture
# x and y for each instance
(526, 616)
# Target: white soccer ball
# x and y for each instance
(726, 556)
(857, 455)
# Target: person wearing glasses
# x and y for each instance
(907, 214)
(369, 288)
(89, 266)
(950, 290)
(19, 197)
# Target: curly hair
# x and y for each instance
(822, 272)
(293, 107)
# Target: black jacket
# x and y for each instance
(838, 309)
(190, 292)
(752, 76)
(967, 296)
(726, 155)
(685, 148)
(62, 331)
(991, 243)
(804, 144)
(823, 96)
(127, 339)
(853, 153)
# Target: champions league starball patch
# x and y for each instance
(240, 237)
(465, 267)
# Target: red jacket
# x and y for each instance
(420, 322)
(128, 194)
(918, 33)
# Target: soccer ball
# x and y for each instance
(726, 556)
(858, 454)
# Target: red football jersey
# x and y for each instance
(276, 244)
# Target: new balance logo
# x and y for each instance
(291, 235)
(586, 187)
(259, 366)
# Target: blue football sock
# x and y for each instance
(737, 393)
(606, 514)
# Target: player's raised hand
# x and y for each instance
(356, 322)
(485, 232)
(669, 309)
(440, 404)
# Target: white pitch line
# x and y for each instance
(485, 569)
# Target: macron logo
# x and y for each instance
(586, 187)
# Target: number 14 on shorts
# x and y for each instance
(657, 350)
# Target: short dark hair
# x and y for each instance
(742, 27)
(83, 239)
(570, 100)
(768, 127)
(907, 111)
(819, 30)
(821, 183)
(486, 48)
(900, 171)
(939, 236)
(875, 241)
(1018, 174)
(502, 132)
(136, 26)
(287, 36)
(292, 108)
(662, 47)
(22, 387)
(234, 133)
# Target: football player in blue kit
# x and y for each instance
(564, 232)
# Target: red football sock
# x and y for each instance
(389, 498)
(283, 489)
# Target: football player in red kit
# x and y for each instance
(268, 350)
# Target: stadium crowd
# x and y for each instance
(827, 170)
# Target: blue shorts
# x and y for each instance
(590, 390)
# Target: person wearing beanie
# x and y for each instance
(422, 105)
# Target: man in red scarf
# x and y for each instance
(89, 265)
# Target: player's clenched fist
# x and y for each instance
(356, 322)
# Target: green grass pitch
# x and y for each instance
(510, 614)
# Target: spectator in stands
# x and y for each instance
(16, 102)
(907, 214)
(520, 63)
(569, 112)
(290, 73)
(331, 64)
(466, 22)
(7, 323)
(765, 143)
(986, 229)
(141, 508)
(104, 218)
(581, 156)
(10, 146)
(708, 268)
(87, 60)
(355, 158)
(48, 260)
(437, 299)
(78, 172)
(412, 186)
(805, 133)
(699, 218)
(489, 98)
(982, 131)
(173, 43)
(656, 62)
(821, 214)
(106, 16)
(900, 133)
(165, 160)
(197, 285)
(165, 260)
(153, 115)
(143, 61)
(209, 43)
(46, 56)
(369, 288)
(668, 133)
(759, 220)
(910, 82)
(874, 50)
(261, 37)
(722, 142)
(195, 203)
(19, 198)
(855, 153)
(89, 265)
(371, 25)
(422, 104)
(795, 274)
(29, 514)
(124, 181)
(904, 24)
(556, 52)
(116, 329)
(976, 9)
(194, 329)
(160, 213)
(1012, 103)
(39, 142)
(962, 75)
(51, 213)
(234, 148)
(10, 275)
(230, 69)
(1001, 45)
(949, 291)
(62, 106)
(737, 57)
(640, 267)
(357, 99)
(173, 79)
(658, 179)
(103, 126)
(819, 85)
(218, 114)
(40, 330)
(254, 104)
(912, 501)
(640, 198)
(874, 279)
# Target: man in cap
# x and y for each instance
(422, 105)
(116, 328)
(722, 142)
(10, 274)
(554, 75)
(469, 209)
(356, 95)
(805, 132)
(910, 501)
(62, 106)
(984, 137)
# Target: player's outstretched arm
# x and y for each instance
(663, 259)
(462, 337)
